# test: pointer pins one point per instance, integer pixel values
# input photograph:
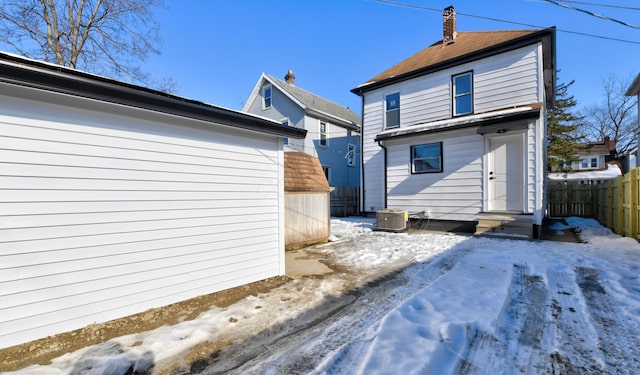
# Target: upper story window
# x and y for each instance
(285, 122)
(266, 96)
(462, 94)
(351, 154)
(426, 158)
(323, 135)
(392, 110)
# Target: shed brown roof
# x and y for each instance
(303, 172)
(466, 43)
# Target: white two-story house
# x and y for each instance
(458, 130)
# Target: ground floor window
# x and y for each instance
(426, 158)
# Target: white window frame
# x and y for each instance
(455, 96)
(351, 154)
(264, 97)
(285, 121)
(388, 111)
(439, 157)
(323, 134)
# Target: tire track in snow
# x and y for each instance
(337, 335)
(522, 331)
(575, 336)
(620, 347)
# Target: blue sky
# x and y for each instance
(216, 50)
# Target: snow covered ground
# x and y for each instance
(417, 304)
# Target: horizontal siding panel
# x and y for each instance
(202, 156)
(106, 195)
(222, 144)
(81, 207)
(117, 162)
(58, 260)
(146, 259)
(131, 298)
(53, 183)
(95, 173)
(56, 220)
(37, 292)
(105, 310)
(150, 224)
(225, 231)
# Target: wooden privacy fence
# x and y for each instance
(615, 203)
(345, 201)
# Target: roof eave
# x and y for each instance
(46, 77)
(333, 119)
(634, 89)
(461, 124)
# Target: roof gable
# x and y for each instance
(309, 102)
(303, 172)
(465, 43)
(468, 46)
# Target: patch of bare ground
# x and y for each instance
(42, 351)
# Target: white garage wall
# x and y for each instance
(107, 213)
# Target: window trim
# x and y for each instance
(282, 121)
(326, 170)
(454, 96)
(440, 156)
(266, 87)
(351, 154)
(324, 133)
(386, 111)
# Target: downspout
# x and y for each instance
(362, 195)
(385, 172)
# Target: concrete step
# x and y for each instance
(505, 226)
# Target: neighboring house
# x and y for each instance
(333, 129)
(307, 216)
(459, 129)
(595, 155)
(634, 90)
(597, 162)
(117, 199)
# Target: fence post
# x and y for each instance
(633, 204)
(619, 227)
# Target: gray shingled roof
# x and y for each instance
(315, 102)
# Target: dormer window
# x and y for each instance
(266, 96)
(462, 94)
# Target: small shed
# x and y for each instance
(307, 216)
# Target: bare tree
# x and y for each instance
(106, 37)
(616, 117)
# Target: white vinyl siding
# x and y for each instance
(106, 215)
(455, 194)
(373, 156)
(502, 81)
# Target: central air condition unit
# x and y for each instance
(392, 220)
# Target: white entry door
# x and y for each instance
(506, 166)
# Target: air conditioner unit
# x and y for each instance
(392, 220)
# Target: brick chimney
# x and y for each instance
(290, 78)
(449, 25)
